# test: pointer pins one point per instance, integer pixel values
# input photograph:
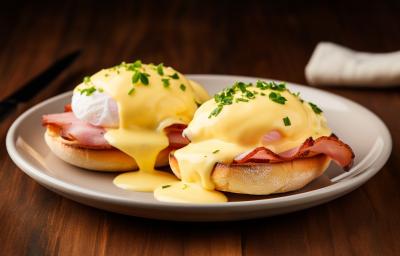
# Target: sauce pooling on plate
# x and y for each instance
(149, 98)
(234, 122)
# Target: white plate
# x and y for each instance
(354, 124)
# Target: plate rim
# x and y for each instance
(309, 196)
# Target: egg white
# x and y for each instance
(98, 109)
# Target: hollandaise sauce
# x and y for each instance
(233, 122)
(149, 98)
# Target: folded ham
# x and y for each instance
(331, 146)
(89, 136)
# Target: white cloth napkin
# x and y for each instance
(333, 64)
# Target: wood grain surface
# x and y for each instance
(266, 39)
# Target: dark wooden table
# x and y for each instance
(273, 40)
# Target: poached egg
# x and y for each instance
(134, 102)
(237, 120)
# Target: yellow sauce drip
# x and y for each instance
(145, 149)
(188, 192)
(144, 112)
(145, 181)
(238, 128)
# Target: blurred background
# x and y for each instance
(272, 39)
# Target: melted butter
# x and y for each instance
(143, 114)
(239, 127)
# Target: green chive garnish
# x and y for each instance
(137, 64)
(86, 79)
(216, 111)
(144, 79)
(175, 76)
(132, 90)
(315, 108)
(242, 100)
(165, 82)
(87, 91)
(135, 77)
(277, 97)
(160, 70)
(242, 86)
(286, 121)
(278, 87)
(242, 92)
(182, 87)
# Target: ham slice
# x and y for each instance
(68, 108)
(331, 146)
(90, 136)
(73, 129)
(271, 136)
(175, 137)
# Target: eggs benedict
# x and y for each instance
(128, 117)
(254, 139)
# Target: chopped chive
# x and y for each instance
(137, 64)
(86, 79)
(165, 82)
(277, 87)
(242, 100)
(130, 67)
(315, 108)
(240, 92)
(215, 151)
(250, 95)
(182, 87)
(135, 77)
(262, 85)
(100, 89)
(277, 97)
(216, 111)
(160, 70)
(286, 121)
(132, 90)
(241, 86)
(185, 186)
(165, 186)
(271, 85)
(297, 95)
(144, 79)
(88, 91)
(175, 76)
